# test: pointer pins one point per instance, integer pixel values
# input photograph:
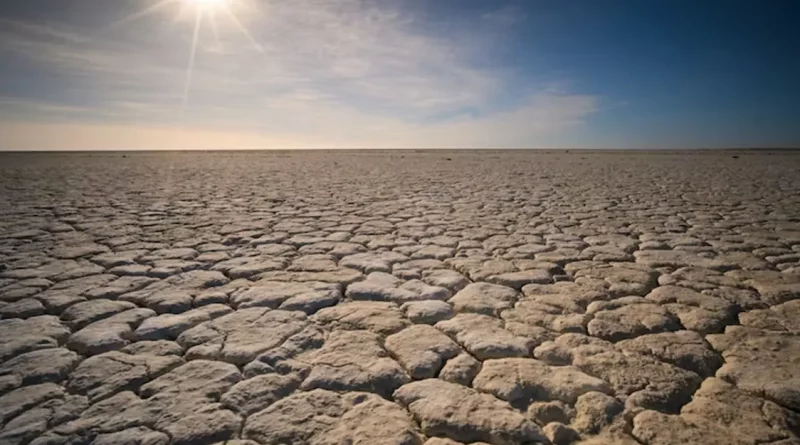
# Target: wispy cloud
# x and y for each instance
(506, 15)
(37, 108)
(10, 27)
(341, 73)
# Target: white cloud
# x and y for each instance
(337, 73)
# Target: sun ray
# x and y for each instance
(192, 56)
(213, 22)
(242, 28)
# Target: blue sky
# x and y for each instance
(100, 74)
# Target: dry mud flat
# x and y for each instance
(400, 298)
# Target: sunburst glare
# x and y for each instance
(200, 11)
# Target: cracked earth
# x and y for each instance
(406, 298)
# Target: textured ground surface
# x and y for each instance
(400, 298)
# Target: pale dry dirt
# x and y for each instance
(400, 297)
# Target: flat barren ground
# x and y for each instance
(401, 297)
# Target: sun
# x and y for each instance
(207, 5)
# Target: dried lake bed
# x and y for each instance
(400, 297)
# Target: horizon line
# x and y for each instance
(581, 149)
